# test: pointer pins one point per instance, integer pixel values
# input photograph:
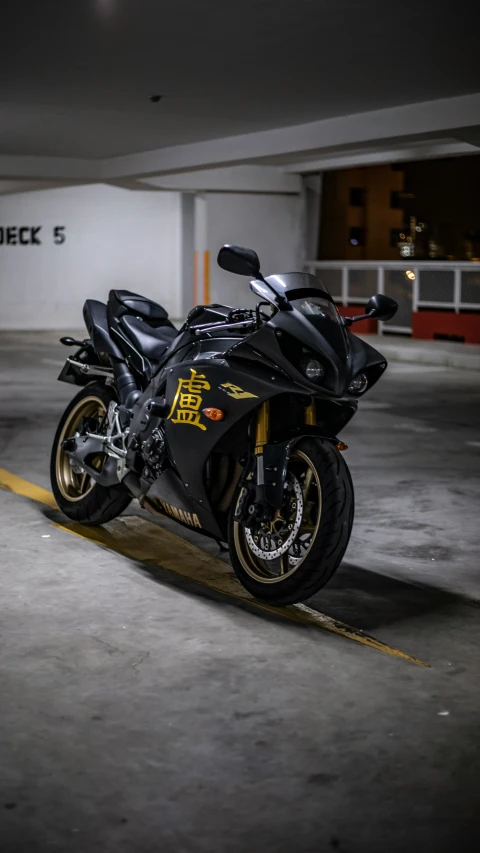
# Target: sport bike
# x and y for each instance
(229, 425)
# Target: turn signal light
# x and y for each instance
(213, 414)
(341, 446)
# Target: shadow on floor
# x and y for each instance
(374, 600)
(355, 595)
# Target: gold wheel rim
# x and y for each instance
(259, 569)
(74, 487)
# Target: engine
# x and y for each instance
(152, 451)
(146, 440)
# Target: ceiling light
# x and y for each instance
(106, 7)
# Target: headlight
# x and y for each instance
(314, 370)
(358, 385)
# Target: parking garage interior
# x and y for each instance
(148, 700)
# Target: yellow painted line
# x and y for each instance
(141, 540)
(22, 487)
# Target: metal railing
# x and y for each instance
(444, 285)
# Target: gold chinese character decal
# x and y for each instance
(236, 392)
(188, 399)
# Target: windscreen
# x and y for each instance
(317, 308)
(322, 313)
(309, 295)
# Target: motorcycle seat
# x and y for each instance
(150, 342)
(121, 302)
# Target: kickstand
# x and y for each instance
(222, 545)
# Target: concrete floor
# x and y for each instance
(141, 713)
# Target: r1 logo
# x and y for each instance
(58, 235)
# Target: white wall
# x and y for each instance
(114, 238)
(137, 241)
(270, 224)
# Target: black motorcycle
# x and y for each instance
(230, 425)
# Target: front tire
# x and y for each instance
(319, 477)
(79, 496)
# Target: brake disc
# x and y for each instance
(297, 555)
(269, 545)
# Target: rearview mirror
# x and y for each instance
(239, 260)
(381, 307)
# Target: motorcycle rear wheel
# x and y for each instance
(79, 496)
(318, 518)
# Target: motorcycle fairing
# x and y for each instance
(194, 385)
(269, 341)
(169, 496)
(197, 377)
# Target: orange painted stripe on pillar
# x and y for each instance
(206, 278)
(195, 278)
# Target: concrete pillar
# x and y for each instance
(187, 250)
(201, 258)
(312, 197)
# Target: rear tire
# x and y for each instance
(78, 496)
(332, 529)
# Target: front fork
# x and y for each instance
(274, 468)
(311, 414)
(262, 436)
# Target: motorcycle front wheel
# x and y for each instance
(291, 557)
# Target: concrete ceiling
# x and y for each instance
(75, 77)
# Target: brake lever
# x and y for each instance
(71, 342)
(197, 330)
(258, 313)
